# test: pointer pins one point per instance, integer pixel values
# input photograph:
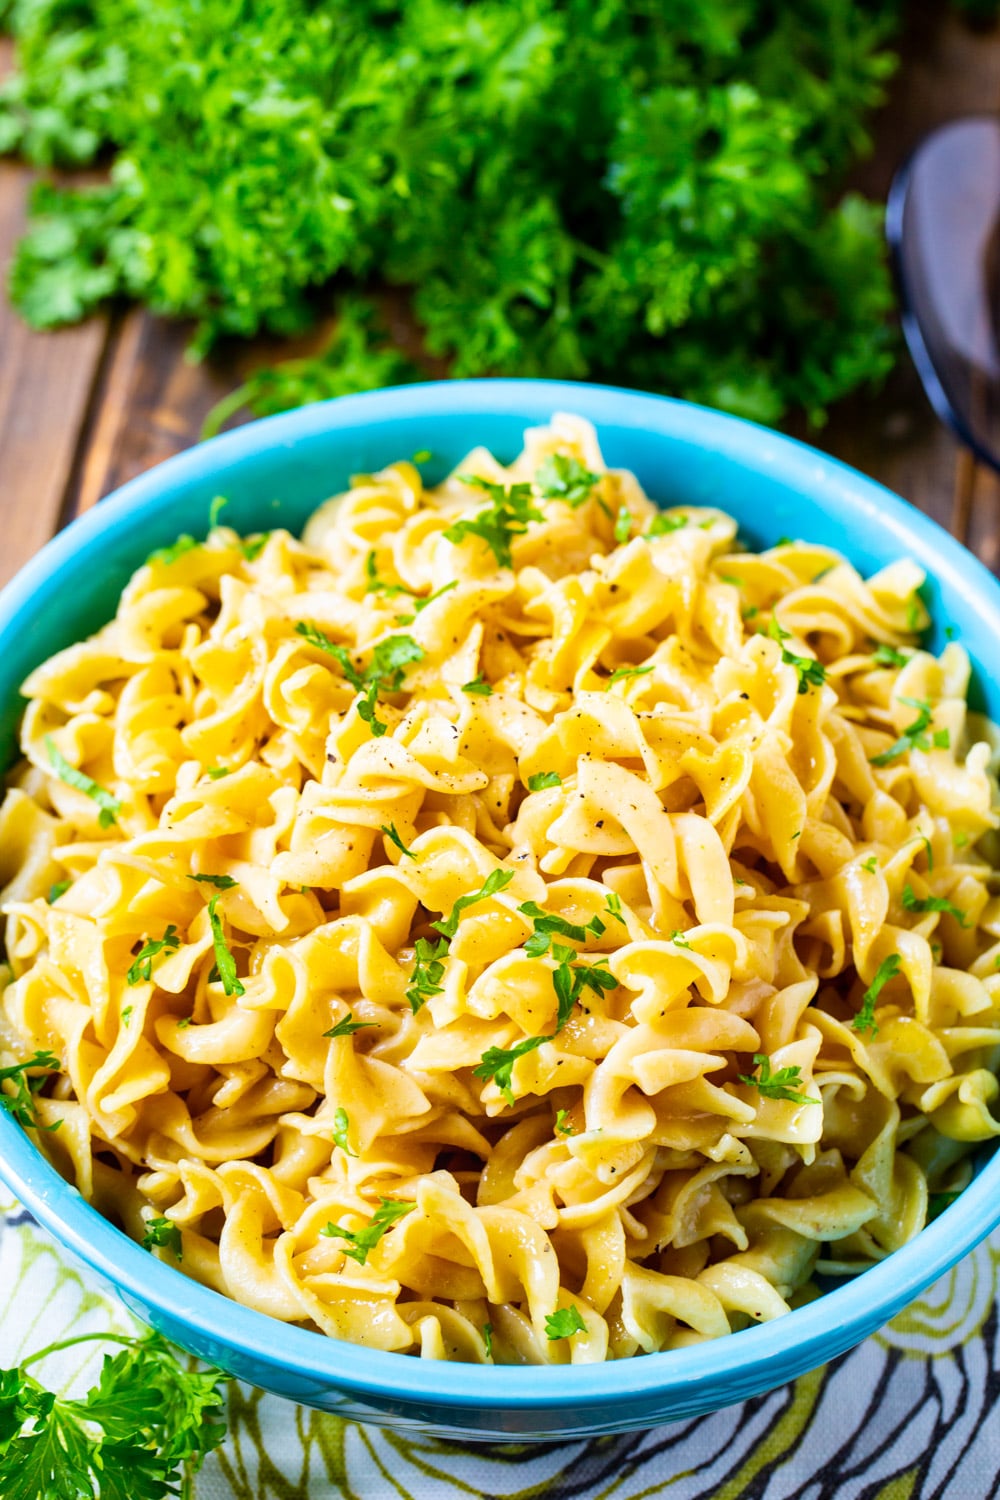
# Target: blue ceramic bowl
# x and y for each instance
(276, 472)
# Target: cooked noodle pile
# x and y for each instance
(512, 922)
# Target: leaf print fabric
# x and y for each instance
(913, 1414)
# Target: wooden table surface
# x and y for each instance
(84, 409)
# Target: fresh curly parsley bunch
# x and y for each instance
(642, 191)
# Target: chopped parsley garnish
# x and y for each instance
(913, 737)
(221, 882)
(562, 1125)
(569, 980)
(347, 1026)
(506, 516)
(392, 834)
(488, 1339)
(109, 805)
(253, 546)
(218, 771)
(184, 1023)
(950, 633)
(363, 1241)
(142, 969)
(561, 476)
(384, 673)
(224, 960)
(341, 1125)
(498, 1063)
(126, 1013)
(888, 656)
(215, 510)
(163, 1233)
(623, 524)
(932, 903)
(731, 578)
(21, 1103)
(621, 673)
(961, 841)
(928, 849)
(564, 1323)
(679, 939)
(59, 889)
(428, 972)
(810, 671)
(937, 1203)
(786, 1083)
(166, 556)
(543, 779)
(477, 688)
(870, 864)
(497, 881)
(547, 923)
(865, 1018)
(663, 525)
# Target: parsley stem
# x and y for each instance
(82, 1338)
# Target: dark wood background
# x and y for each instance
(84, 409)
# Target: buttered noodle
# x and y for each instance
(712, 998)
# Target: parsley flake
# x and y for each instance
(506, 517)
(488, 1339)
(888, 656)
(543, 779)
(623, 524)
(498, 881)
(913, 737)
(786, 1083)
(253, 546)
(363, 1241)
(865, 1018)
(20, 1101)
(164, 1234)
(428, 972)
(870, 864)
(59, 889)
(564, 1323)
(498, 1063)
(142, 968)
(477, 688)
(613, 906)
(810, 671)
(224, 960)
(621, 673)
(932, 903)
(561, 476)
(220, 882)
(109, 805)
(347, 1026)
(562, 1123)
(167, 556)
(664, 525)
(341, 1125)
(392, 834)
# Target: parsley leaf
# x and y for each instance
(477, 688)
(932, 903)
(562, 1126)
(138, 1434)
(498, 1063)
(561, 476)
(865, 1018)
(623, 525)
(363, 1241)
(870, 864)
(786, 1083)
(167, 556)
(888, 656)
(384, 673)
(547, 923)
(621, 673)
(810, 671)
(163, 1233)
(347, 1026)
(221, 882)
(428, 972)
(19, 1101)
(109, 805)
(543, 779)
(913, 737)
(506, 517)
(142, 968)
(341, 1125)
(224, 960)
(58, 889)
(253, 546)
(613, 905)
(563, 1323)
(392, 834)
(664, 525)
(488, 1339)
(498, 881)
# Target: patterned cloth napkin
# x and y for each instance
(913, 1414)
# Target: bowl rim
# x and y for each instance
(815, 1331)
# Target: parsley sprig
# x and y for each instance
(478, 687)
(864, 1021)
(561, 476)
(563, 1323)
(888, 656)
(914, 736)
(19, 1099)
(363, 1241)
(428, 972)
(138, 1434)
(548, 924)
(224, 960)
(142, 968)
(811, 673)
(163, 1233)
(542, 780)
(384, 673)
(347, 1026)
(109, 805)
(507, 516)
(497, 1063)
(786, 1083)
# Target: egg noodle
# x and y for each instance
(511, 923)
